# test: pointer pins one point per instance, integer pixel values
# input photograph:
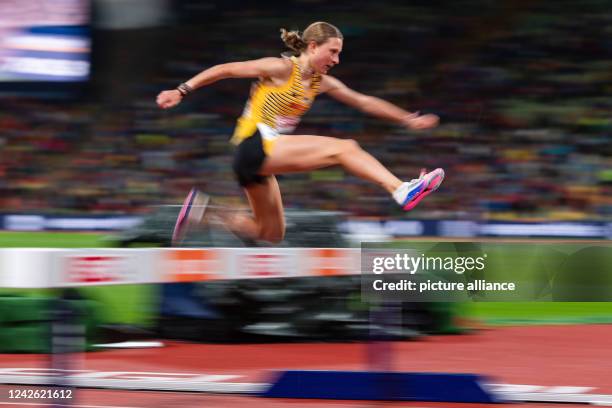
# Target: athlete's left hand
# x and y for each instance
(422, 122)
(169, 99)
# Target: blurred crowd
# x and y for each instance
(523, 92)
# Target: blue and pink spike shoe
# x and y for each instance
(410, 193)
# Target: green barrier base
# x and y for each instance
(26, 324)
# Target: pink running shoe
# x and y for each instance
(191, 214)
(408, 191)
(433, 179)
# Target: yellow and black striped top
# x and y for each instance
(276, 109)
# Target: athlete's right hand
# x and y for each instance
(419, 122)
(169, 99)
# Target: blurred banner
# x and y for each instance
(355, 229)
(44, 40)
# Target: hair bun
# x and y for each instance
(293, 40)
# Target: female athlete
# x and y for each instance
(285, 90)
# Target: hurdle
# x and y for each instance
(69, 268)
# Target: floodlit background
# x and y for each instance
(87, 160)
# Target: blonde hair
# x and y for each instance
(318, 32)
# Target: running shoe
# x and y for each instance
(432, 181)
(408, 190)
(191, 214)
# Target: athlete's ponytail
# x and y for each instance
(293, 40)
(318, 32)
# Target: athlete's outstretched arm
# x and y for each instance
(375, 106)
(261, 68)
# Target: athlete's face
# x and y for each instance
(323, 57)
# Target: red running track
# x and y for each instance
(541, 355)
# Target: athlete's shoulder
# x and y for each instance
(276, 66)
(329, 83)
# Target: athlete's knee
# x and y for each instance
(272, 231)
(344, 146)
(350, 145)
(272, 235)
(273, 238)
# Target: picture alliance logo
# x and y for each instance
(412, 264)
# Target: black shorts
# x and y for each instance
(248, 159)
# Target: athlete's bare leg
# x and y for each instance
(268, 220)
(293, 154)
